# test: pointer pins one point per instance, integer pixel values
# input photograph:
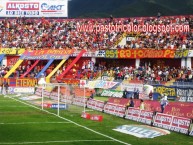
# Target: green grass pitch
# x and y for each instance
(21, 123)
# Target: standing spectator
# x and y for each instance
(91, 95)
(1, 85)
(6, 86)
(130, 103)
(137, 94)
(151, 95)
(125, 93)
(142, 105)
(163, 103)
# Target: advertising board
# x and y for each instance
(34, 8)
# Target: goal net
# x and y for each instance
(59, 98)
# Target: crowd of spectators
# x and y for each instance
(144, 73)
(33, 33)
(42, 33)
(162, 40)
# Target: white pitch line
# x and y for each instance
(10, 123)
(67, 141)
(73, 122)
(14, 106)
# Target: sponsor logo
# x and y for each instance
(20, 6)
(141, 131)
(51, 8)
(23, 90)
(61, 106)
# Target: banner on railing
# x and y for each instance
(12, 51)
(169, 91)
(101, 84)
(173, 123)
(95, 104)
(79, 101)
(112, 93)
(47, 54)
(145, 53)
(132, 87)
(142, 116)
(114, 109)
(178, 110)
(18, 82)
(184, 94)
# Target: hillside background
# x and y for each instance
(128, 8)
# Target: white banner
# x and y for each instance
(24, 90)
(132, 87)
(100, 53)
(34, 8)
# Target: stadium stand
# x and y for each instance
(33, 34)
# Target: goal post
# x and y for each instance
(58, 97)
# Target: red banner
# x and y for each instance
(173, 123)
(145, 117)
(163, 120)
(95, 117)
(120, 101)
(142, 116)
(180, 124)
(182, 104)
(85, 115)
(133, 114)
(114, 109)
(95, 104)
(11, 60)
(180, 111)
(152, 105)
(149, 104)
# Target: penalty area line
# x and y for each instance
(72, 122)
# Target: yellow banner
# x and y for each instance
(12, 51)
